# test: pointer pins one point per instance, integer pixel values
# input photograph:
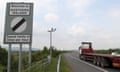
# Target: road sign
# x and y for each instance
(18, 23)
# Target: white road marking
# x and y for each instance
(89, 64)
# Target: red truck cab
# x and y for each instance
(86, 47)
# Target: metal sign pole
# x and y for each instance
(20, 59)
(9, 58)
(30, 56)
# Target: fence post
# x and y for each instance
(58, 64)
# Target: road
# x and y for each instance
(78, 65)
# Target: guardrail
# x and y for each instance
(58, 64)
(42, 62)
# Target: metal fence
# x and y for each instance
(58, 64)
(42, 62)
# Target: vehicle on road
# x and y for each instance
(86, 53)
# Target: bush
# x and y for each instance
(55, 52)
(36, 56)
(3, 58)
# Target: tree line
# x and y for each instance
(108, 51)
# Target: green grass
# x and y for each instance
(46, 68)
(64, 66)
(1, 68)
(52, 66)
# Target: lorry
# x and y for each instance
(87, 53)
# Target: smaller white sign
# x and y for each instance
(18, 38)
(19, 9)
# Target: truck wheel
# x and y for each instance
(98, 64)
(98, 61)
(95, 61)
(81, 57)
(110, 64)
(104, 62)
(84, 57)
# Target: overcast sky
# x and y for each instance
(97, 21)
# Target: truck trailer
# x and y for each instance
(87, 53)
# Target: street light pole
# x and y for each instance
(50, 44)
(51, 30)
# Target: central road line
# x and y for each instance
(89, 64)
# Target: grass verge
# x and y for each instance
(52, 66)
(64, 66)
(46, 68)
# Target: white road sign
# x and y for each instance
(18, 23)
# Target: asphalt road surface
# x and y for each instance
(78, 65)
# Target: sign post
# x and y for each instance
(20, 59)
(9, 58)
(18, 28)
(30, 56)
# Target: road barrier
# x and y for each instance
(42, 62)
(58, 64)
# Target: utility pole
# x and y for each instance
(51, 30)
